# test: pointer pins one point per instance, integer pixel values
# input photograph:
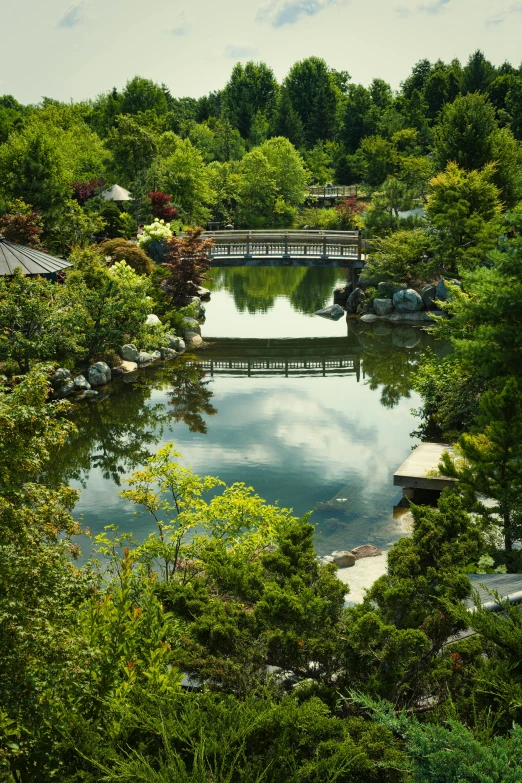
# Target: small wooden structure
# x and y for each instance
(30, 261)
(419, 470)
(326, 194)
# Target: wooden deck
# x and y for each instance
(413, 473)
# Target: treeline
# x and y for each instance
(246, 153)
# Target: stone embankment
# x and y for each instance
(93, 383)
(394, 303)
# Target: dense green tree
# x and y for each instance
(313, 94)
(133, 149)
(288, 167)
(12, 116)
(464, 133)
(477, 74)
(464, 208)
(186, 178)
(141, 95)
(252, 89)
(287, 121)
(488, 461)
(403, 256)
(361, 116)
(442, 86)
(379, 159)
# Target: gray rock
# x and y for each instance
(144, 357)
(81, 383)
(408, 301)
(405, 337)
(355, 299)
(116, 372)
(391, 288)
(429, 294)
(193, 340)
(382, 306)
(334, 312)
(128, 367)
(168, 353)
(191, 325)
(421, 317)
(343, 559)
(443, 292)
(204, 293)
(129, 352)
(99, 374)
(152, 320)
(325, 560)
(65, 389)
(341, 294)
(60, 377)
(156, 356)
(176, 343)
(367, 550)
(369, 318)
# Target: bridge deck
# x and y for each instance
(418, 471)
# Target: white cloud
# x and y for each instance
(432, 7)
(240, 51)
(282, 12)
(73, 16)
(180, 24)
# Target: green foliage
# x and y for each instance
(38, 320)
(488, 461)
(250, 93)
(186, 178)
(404, 256)
(314, 97)
(464, 208)
(134, 256)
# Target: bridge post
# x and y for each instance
(324, 256)
(286, 254)
(248, 253)
(359, 245)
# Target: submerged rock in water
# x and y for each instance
(334, 312)
(341, 294)
(127, 367)
(81, 383)
(193, 340)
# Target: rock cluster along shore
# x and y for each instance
(394, 303)
(131, 359)
(345, 559)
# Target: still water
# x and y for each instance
(314, 414)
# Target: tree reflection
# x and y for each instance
(190, 395)
(118, 433)
(391, 356)
(255, 289)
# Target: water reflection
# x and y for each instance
(255, 289)
(312, 413)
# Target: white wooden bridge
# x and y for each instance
(342, 249)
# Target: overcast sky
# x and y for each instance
(76, 50)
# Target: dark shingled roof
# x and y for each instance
(30, 261)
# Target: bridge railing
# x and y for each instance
(334, 191)
(287, 244)
(283, 366)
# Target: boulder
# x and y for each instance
(176, 343)
(204, 293)
(152, 320)
(429, 294)
(65, 389)
(391, 288)
(408, 301)
(193, 340)
(99, 374)
(81, 383)
(156, 356)
(341, 294)
(191, 325)
(382, 306)
(367, 550)
(325, 560)
(343, 559)
(168, 353)
(144, 357)
(355, 299)
(443, 292)
(60, 377)
(127, 367)
(129, 352)
(86, 395)
(334, 312)
(369, 318)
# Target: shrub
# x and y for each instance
(22, 224)
(122, 250)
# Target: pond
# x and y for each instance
(312, 413)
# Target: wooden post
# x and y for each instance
(248, 253)
(324, 249)
(359, 245)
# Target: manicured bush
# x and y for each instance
(122, 250)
